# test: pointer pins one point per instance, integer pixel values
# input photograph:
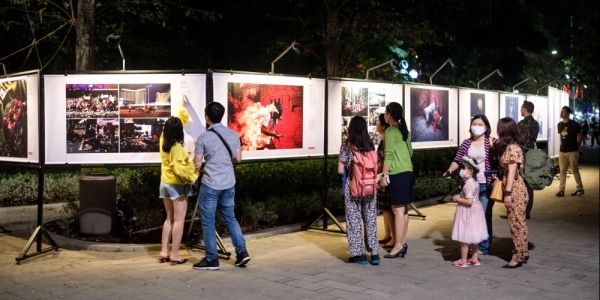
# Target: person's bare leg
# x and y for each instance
(405, 225)
(388, 224)
(464, 252)
(399, 227)
(180, 207)
(475, 248)
(166, 232)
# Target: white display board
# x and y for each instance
(118, 118)
(349, 98)
(540, 114)
(432, 115)
(556, 100)
(275, 116)
(510, 105)
(474, 102)
(19, 106)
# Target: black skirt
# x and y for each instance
(401, 188)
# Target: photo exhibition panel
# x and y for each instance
(432, 116)
(118, 118)
(19, 102)
(275, 116)
(540, 114)
(476, 102)
(357, 98)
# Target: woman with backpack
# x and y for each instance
(515, 191)
(398, 174)
(480, 147)
(359, 209)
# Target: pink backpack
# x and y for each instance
(364, 174)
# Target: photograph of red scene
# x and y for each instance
(429, 113)
(13, 110)
(266, 116)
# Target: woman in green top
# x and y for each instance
(398, 174)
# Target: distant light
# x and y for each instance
(516, 91)
(403, 71)
(585, 86)
(567, 76)
(554, 52)
(413, 74)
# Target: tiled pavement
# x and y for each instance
(312, 264)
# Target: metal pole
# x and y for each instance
(379, 66)
(449, 60)
(123, 57)
(280, 55)
(488, 76)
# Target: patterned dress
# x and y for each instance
(469, 221)
(516, 214)
(359, 210)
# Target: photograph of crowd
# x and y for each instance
(477, 104)
(266, 116)
(354, 101)
(145, 100)
(91, 101)
(429, 115)
(141, 135)
(13, 109)
(92, 136)
(511, 104)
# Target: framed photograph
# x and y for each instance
(375, 95)
(19, 103)
(275, 116)
(432, 115)
(118, 118)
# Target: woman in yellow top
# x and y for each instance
(398, 174)
(176, 172)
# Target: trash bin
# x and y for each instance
(97, 203)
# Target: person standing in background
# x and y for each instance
(595, 131)
(570, 141)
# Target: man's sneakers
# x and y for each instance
(242, 259)
(578, 193)
(204, 264)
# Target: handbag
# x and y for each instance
(497, 193)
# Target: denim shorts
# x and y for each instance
(172, 191)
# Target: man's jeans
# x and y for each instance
(209, 200)
(488, 206)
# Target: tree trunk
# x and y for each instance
(84, 45)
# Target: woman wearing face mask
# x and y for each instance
(479, 147)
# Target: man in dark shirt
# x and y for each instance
(570, 141)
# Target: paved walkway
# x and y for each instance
(564, 262)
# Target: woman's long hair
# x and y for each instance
(358, 135)
(397, 113)
(508, 133)
(172, 133)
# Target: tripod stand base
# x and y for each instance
(39, 230)
(324, 215)
(4, 230)
(417, 211)
(220, 247)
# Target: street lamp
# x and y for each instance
(391, 62)
(449, 60)
(488, 76)
(114, 41)
(292, 46)
(530, 77)
(3, 67)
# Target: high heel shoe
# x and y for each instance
(518, 265)
(400, 252)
